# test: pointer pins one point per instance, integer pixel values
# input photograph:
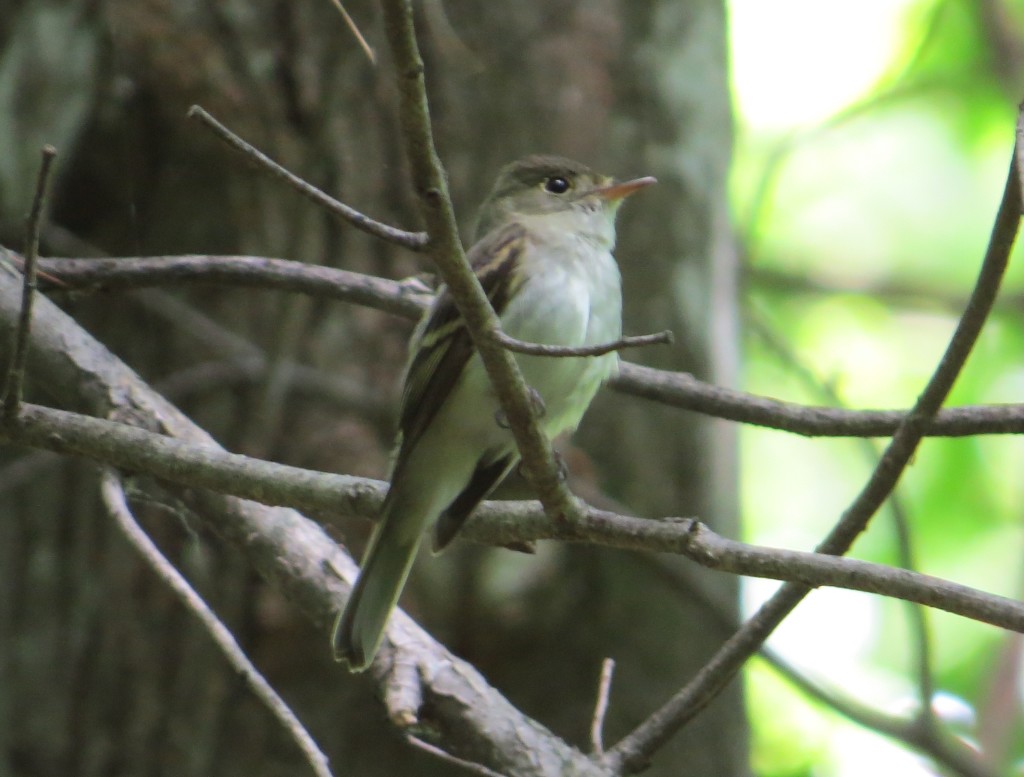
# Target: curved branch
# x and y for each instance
(428, 180)
(669, 388)
(415, 241)
(496, 523)
(634, 750)
(117, 505)
(251, 271)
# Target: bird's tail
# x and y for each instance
(360, 627)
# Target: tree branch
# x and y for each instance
(634, 750)
(494, 523)
(604, 689)
(675, 389)
(117, 505)
(250, 271)
(414, 241)
(19, 353)
(539, 349)
(428, 180)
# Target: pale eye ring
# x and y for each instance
(556, 184)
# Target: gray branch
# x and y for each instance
(675, 389)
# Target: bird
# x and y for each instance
(543, 255)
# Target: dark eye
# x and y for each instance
(556, 184)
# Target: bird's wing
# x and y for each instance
(442, 346)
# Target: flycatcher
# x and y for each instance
(544, 257)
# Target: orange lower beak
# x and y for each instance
(618, 191)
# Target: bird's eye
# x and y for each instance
(556, 184)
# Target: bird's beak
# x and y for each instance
(618, 191)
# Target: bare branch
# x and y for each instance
(354, 28)
(252, 271)
(447, 757)
(117, 506)
(604, 689)
(415, 241)
(188, 463)
(495, 523)
(19, 353)
(675, 389)
(817, 569)
(290, 551)
(428, 180)
(538, 349)
(635, 749)
(687, 392)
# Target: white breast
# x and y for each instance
(573, 297)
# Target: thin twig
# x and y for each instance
(537, 349)
(350, 22)
(19, 353)
(635, 750)
(604, 689)
(116, 502)
(415, 241)
(447, 757)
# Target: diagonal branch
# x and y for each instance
(19, 353)
(117, 505)
(428, 180)
(634, 750)
(415, 241)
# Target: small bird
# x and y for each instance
(544, 258)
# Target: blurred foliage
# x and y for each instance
(863, 231)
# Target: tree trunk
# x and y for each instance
(102, 670)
